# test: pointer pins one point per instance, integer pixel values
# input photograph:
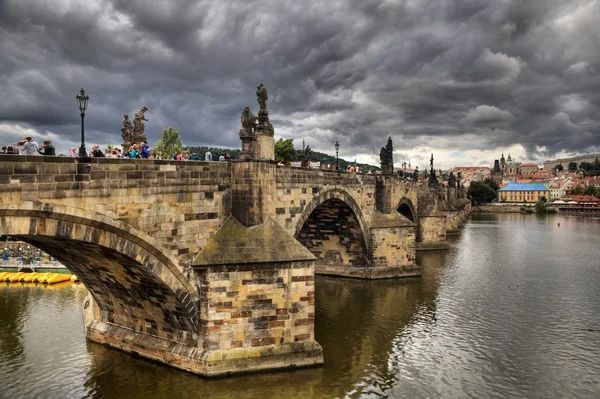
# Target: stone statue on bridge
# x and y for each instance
(127, 131)
(257, 133)
(386, 157)
(264, 127)
(432, 177)
(248, 122)
(139, 134)
(261, 97)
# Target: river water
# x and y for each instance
(511, 311)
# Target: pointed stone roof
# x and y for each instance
(394, 219)
(234, 244)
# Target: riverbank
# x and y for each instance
(497, 209)
(531, 209)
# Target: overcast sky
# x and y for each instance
(464, 79)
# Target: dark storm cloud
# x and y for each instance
(506, 72)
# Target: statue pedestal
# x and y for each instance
(247, 141)
(264, 143)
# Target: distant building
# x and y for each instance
(508, 166)
(554, 191)
(471, 173)
(587, 200)
(528, 168)
(497, 169)
(549, 165)
(518, 192)
(565, 186)
(593, 181)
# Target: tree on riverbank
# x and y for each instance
(481, 193)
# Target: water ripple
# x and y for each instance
(511, 311)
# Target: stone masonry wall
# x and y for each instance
(433, 229)
(393, 247)
(253, 191)
(249, 311)
(297, 187)
(403, 189)
(453, 220)
(180, 204)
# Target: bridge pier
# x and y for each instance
(257, 307)
(392, 247)
(433, 233)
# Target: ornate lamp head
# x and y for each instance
(82, 101)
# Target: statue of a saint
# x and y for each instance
(138, 124)
(432, 177)
(261, 97)
(386, 157)
(127, 130)
(248, 122)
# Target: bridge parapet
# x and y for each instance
(180, 204)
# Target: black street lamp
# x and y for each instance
(82, 102)
(337, 150)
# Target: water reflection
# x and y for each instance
(11, 329)
(510, 311)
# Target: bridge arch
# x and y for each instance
(333, 228)
(134, 284)
(407, 209)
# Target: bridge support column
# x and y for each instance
(392, 237)
(253, 191)
(383, 194)
(392, 247)
(257, 308)
(433, 233)
(452, 222)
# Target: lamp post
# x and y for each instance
(337, 150)
(82, 102)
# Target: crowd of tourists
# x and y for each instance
(28, 146)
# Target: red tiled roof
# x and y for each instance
(583, 198)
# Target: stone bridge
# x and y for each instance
(210, 266)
